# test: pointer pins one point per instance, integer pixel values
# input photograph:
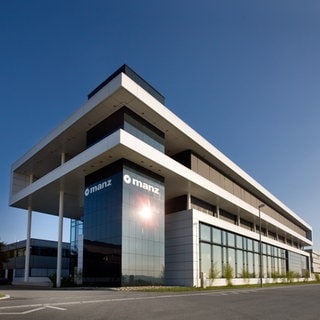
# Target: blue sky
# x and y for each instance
(244, 74)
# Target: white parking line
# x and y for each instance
(57, 308)
(57, 305)
(35, 308)
(24, 312)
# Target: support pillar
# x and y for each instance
(217, 211)
(188, 201)
(27, 254)
(309, 266)
(60, 229)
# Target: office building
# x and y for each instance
(151, 201)
(43, 261)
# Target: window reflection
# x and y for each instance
(243, 255)
(124, 227)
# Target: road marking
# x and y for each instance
(57, 308)
(22, 306)
(33, 310)
(57, 305)
(42, 307)
(24, 312)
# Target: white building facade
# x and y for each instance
(151, 201)
(315, 261)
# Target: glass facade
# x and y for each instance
(143, 131)
(76, 230)
(129, 121)
(297, 263)
(142, 228)
(102, 231)
(219, 247)
(76, 250)
(123, 227)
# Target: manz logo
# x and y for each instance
(98, 187)
(143, 185)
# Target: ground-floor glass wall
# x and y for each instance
(220, 249)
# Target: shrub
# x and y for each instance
(306, 275)
(297, 275)
(276, 275)
(291, 275)
(228, 273)
(65, 281)
(53, 278)
(245, 274)
(213, 272)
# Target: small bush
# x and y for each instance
(297, 275)
(65, 281)
(306, 275)
(245, 274)
(53, 278)
(213, 272)
(276, 275)
(228, 273)
(290, 276)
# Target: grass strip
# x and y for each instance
(245, 286)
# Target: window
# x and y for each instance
(205, 258)
(127, 120)
(202, 206)
(231, 240)
(239, 242)
(219, 247)
(216, 235)
(240, 266)
(227, 216)
(205, 232)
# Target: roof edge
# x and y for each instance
(135, 77)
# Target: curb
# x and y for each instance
(6, 296)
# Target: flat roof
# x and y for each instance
(135, 77)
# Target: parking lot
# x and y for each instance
(292, 302)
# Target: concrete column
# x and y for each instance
(267, 231)
(218, 211)
(60, 229)
(309, 265)
(27, 253)
(188, 201)
(63, 158)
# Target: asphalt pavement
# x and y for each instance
(290, 302)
